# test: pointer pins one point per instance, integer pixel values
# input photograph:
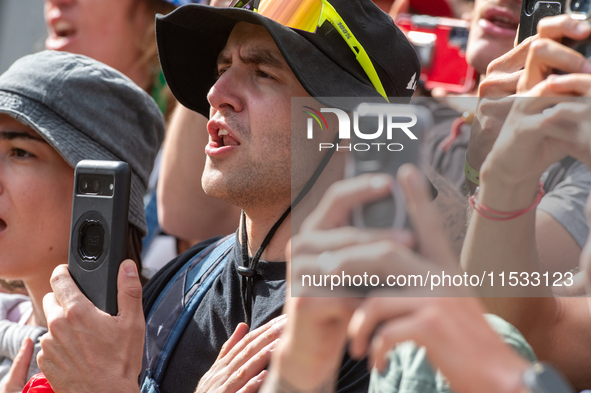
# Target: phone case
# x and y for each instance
(98, 236)
(532, 11)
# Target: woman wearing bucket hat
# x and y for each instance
(120, 33)
(55, 110)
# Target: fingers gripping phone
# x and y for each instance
(98, 233)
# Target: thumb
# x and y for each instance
(17, 376)
(129, 290)
(425, 218)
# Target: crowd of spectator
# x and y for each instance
(230, 207)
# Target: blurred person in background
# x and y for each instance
(560, 221)
(542, 128)
(457, 147)
(55, 110)
(121, 34)
(547, 131)
(459, 9)
(492, 32)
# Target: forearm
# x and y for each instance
(505, 246)
(310, 353)
(306, 361)
(486, 125)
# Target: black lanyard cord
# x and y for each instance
(248, 268)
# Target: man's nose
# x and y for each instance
(227, 92)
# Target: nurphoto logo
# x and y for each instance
(394, 119)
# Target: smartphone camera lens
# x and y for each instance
(89, 185)
(91, 238)
(96, 186)
(580, 7)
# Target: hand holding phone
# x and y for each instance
(98, 235)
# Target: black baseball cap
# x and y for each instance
(191, 38)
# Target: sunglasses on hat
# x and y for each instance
(308, 15)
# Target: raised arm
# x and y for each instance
(538, 132)
(185, 211)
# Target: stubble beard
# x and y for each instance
(253, 187)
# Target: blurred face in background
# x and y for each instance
(110, 31)
(493, 28)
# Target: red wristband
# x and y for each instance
(495, 215)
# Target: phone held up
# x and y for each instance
(532, 11)
(98, 234)
(406, 127)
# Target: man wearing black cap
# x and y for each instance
(246, 67)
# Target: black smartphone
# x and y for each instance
(403, 129)
(532, 11)
(98, 234)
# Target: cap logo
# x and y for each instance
(412, 85)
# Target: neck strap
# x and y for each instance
(248, 268)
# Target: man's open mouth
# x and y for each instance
(61, 34)
(63, 29)
(225, 139)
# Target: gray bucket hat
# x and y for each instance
(87, 110)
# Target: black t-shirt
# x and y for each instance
(221, 311)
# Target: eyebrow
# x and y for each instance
(257, 57)
(11, 135)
